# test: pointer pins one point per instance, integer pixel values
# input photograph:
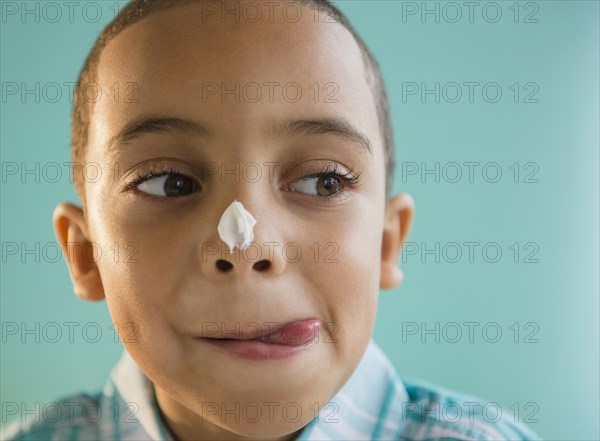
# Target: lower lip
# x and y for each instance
(302, 337)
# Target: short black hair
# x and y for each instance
(136, 10)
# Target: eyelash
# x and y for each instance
(154, 172)
(349, 179)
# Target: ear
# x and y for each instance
(398, 218)
(70, 228)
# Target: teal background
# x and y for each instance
(559, 294)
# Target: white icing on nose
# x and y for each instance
(236, 225)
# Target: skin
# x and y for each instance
(173, 288)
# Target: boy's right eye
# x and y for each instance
(167, 185)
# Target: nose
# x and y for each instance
(224, 265)
(263, 255)
(257, 257)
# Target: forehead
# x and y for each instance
(183, 62)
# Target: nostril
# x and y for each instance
(224, 265)
(262, 265)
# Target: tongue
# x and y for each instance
(293, 334)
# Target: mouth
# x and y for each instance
(274, 342)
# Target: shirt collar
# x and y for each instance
(129, 386)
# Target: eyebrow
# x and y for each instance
(336, 126)
(156, 124)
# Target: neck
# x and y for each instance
(185, 425)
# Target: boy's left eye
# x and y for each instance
(168, 185)
(321, 185)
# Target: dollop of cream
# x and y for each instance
(236, 226)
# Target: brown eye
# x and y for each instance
(168, 185)
(319, 185)
(176, 185)
(328, 185)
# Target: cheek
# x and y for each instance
(139, 271)
(142, 262)
(357, 293)
(346, 275)
(145, 277)
(138, 299)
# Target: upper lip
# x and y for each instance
(252, 331)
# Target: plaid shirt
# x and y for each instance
(373, 405)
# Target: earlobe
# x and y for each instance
(398, 219)
(71, 232)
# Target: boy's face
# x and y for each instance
(158, 267)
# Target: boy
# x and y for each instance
(249, 321)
